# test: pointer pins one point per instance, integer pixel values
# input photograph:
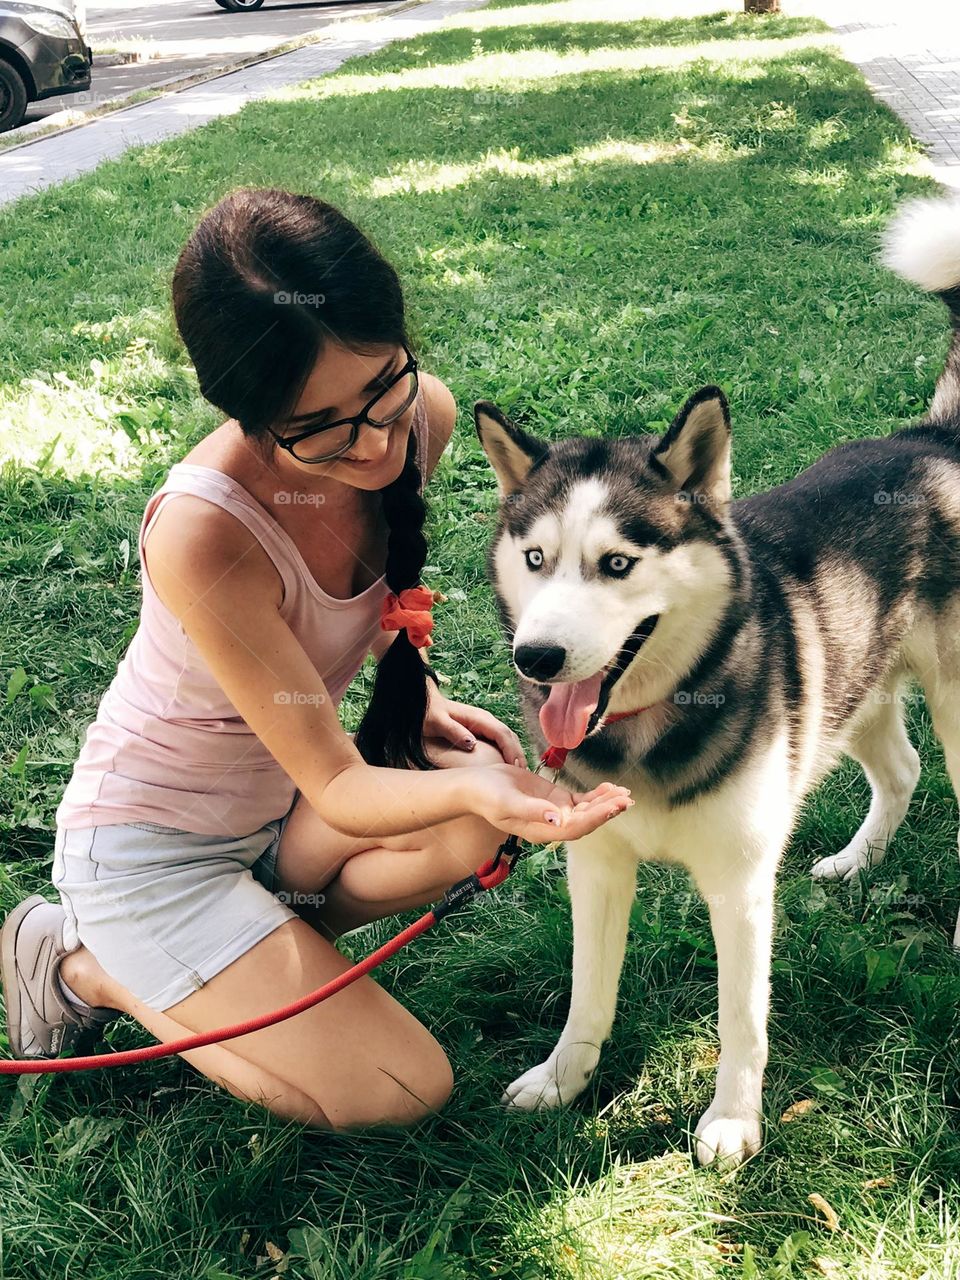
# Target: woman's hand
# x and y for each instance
(461, 726)
(524, 804)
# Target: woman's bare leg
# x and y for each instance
(361, 1058)
(360, 881)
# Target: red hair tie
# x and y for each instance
(410, 611)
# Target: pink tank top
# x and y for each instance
(166, 745)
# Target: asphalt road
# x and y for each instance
(184, 37)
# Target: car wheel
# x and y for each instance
(223, 4)
(13, 97)
(240, 6)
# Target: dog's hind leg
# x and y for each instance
(943, 700)
(602, 877)
(892, 767)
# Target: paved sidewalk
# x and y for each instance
(909, 53)
(40, 164)
(183, 38)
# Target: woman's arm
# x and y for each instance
(215, 577)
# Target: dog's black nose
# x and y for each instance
(540, 661)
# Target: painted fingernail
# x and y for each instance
(552, 817)
(469, 743)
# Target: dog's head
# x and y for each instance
(611, 560)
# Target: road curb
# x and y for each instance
(176, 83)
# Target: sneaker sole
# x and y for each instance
(8, 971)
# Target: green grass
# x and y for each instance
(592, 219)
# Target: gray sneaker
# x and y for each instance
(41, 1021)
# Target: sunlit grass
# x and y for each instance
(593, 214)
(648, 1219)
(421, 176)
(527, 69)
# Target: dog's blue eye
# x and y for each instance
(617, 566)
(534, 558)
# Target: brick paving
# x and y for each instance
(909, 53)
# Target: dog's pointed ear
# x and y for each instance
(510, 450)
(695, 452)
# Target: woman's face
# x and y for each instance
(340, 385)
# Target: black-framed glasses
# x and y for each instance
(316, 444)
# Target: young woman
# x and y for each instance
(220, 828)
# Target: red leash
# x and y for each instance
(493, 873)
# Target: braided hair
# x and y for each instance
(391, 732)
(284, 274)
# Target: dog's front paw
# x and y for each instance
(726, 1141)
(847, 864)
(555, 1082)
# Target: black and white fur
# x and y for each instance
(783, 626)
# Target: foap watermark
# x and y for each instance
(94, 898)
(110, 300)
(298, 698)
(688, 899)
(85, 98)
(690, 498)
(296, 898)
(895, 894)
(904, 299)
(297, 498)
(697, 698)
(496, 98)
(897, 697)
(898, 498)
(284, 299)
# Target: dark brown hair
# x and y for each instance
(265, 281)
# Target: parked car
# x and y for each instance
(43, 52)
(238, 6)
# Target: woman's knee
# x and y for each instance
(387, 1094)
(446, 756)
(356, 1095)
(270, 1092)
(426, 1089)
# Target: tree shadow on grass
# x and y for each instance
(480, 32)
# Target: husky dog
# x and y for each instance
(718, 657)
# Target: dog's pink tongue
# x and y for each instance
(566, 713)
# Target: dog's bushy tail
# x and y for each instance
(922, 244)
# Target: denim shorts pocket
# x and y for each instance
(155, 826)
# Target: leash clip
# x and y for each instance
(541, 769)
(553, 758)
(510, 851)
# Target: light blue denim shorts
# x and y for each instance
(165, 910)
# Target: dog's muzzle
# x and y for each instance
(540, 661)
